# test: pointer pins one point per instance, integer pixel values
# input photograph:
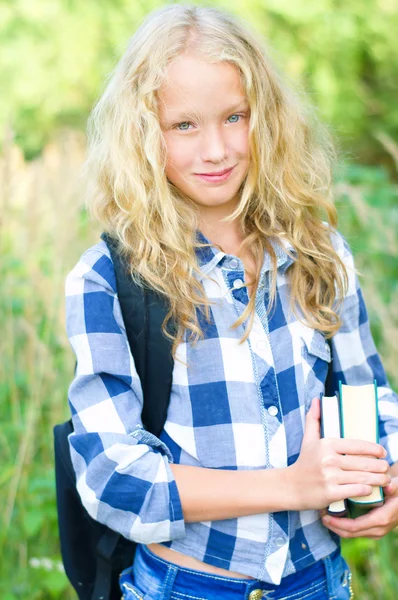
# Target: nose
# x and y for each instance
(214, 146)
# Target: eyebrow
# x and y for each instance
(174, 116)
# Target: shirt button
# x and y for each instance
(238, 283)
(273, 411)
(280, 541)
(256, 595)
(233, 263)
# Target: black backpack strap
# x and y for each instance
(134, 306)
(159, 366)
(329, 387)
(143, 312)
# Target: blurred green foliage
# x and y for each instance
(54, 60)
(56, 54)
(37, 363)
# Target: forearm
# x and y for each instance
(322, 474)
(213, 494)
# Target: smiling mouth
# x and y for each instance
(216, 173)
(217, 177)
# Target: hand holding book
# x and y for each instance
(353, 414)
(374, 524)
(329, 470)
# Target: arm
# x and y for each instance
(356, 362)
(355, 357)
(215, 494)
(326, 470)
(123, 472)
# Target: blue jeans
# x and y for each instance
(153, 578)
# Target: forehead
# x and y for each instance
(194, 84)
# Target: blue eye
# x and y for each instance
(181, 127)
(185, 125)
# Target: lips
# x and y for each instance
(216, 176)
(216, 173)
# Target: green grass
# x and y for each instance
(43, 232)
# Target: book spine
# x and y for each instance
(377, 426)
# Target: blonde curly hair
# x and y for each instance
(287, 191)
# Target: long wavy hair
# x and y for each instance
(287, 191)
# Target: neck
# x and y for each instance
(227, 236)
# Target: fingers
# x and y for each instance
(374, 524)
(392, 488)
(374, 533)
(312, 424)
(315, 409)
(347, 446)
(352, 490)
(363, 477)
(363, 463)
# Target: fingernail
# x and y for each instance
(326, 519)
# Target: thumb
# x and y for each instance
(391, 488)
(312, 422)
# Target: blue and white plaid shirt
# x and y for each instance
(231, 407)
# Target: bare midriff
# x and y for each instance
(182, 560)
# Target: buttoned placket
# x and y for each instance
(270, 419)
(273, 422)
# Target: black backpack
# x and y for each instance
(94, 555)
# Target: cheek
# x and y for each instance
(241, 143)
(179, 159)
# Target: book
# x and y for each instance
(353, 414)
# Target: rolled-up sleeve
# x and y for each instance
(355, 357)
(123, 472)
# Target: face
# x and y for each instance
(204, 117)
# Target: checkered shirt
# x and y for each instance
(232, 406)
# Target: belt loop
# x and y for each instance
(168, 584)
(329, 577)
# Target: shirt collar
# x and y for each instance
(285, 252)
(209, 256)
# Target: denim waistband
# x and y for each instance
(184, 579)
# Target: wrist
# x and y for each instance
(282, 490)
(293, 495)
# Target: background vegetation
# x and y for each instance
(55, 58)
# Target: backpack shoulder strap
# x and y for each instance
(143, 313)
(329, 387)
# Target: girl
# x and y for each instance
(214, 180)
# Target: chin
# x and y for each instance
(217, 200)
